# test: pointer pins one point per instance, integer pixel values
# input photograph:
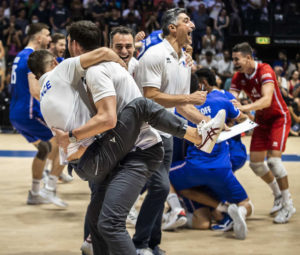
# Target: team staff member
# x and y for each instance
(259, 82)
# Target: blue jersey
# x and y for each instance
(23, 105)
(154, 38)
(219, 157)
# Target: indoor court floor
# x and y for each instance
(48, 230)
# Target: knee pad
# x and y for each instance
(43, 149)
(277, 168)
(259, 168)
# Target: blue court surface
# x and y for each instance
(30, 154)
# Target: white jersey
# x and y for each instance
(60, 101)
(161, 68)
(110, 79)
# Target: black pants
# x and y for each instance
(120, 174)
(105, 152)
(148, 225)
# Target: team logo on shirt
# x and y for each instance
(254, 93)
(168, 60)
(275, 144)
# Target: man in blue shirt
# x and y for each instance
(26, 117)
(213, 170)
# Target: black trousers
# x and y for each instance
(119, 175)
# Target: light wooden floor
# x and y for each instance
(46, 230)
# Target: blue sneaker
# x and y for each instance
(224, 225)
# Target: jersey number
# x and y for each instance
(14, 74)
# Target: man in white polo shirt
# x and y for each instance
(165, 77)
(113, 91)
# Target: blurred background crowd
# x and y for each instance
(218, 25)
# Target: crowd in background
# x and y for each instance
(215, 22)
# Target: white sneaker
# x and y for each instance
(144, 251)
(239, 223)
(36, 199)
(210, 131)
(285, 213)
(65, 178)
(132, 216)
(52, 198)
(87, 248)
(277, 205)
(174, 219)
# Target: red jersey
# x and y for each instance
(252, 85)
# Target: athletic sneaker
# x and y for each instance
(36, 199)
(65, 178)
(226, 224)
(52, 198)
(158, 251)
(239, 223)
(277, 205)
(210, 131)
(174, 219)
(144, 251)
(285, 213)
(132, 216)
(87, 248)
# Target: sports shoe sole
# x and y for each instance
(239, 224)
(214, 140)
(178, 223)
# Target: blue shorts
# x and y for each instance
(221, 181)
(32, 129)
(238, 154)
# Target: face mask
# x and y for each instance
(34, 21)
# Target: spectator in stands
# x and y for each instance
(114, 20)
(42, 12)
(59, 18)
(235, 26)
(22, 21)
(201, 20)
(295, 114)
(2, 66)
(13, 41)
(208, 42)
(225, 69)
(152, 23)
(131, 9)
(76, 10)
(282, 83)
(98, 10)
(221, 27)
(209, 62)
(4, 23)
(293, 80)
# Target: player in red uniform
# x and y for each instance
(258, 81)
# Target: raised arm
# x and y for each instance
(99, 55)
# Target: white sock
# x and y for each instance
(275, 188)
(35, 186)
(243, 211)
(48, 164)
(173, 201)
(286, 195)
(222, 207)
(51, 183)
(189, 222)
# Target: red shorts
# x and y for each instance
(271, 135)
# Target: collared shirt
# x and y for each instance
(160, 67)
